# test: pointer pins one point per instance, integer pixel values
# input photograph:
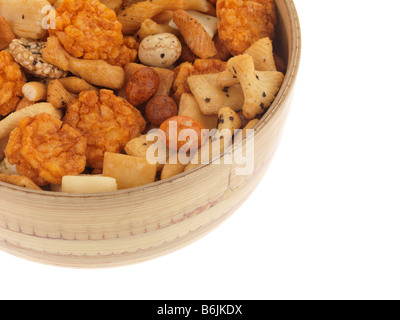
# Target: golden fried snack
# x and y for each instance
(127, 53)
(6, 34)
(107, 121)
(88, 29)
(244, 22)
(8, 124)
(196, 37)
(29, 55)
(259, 87)
(132, 15)
(25, 17)
(200, 66)
(19, 181)
(58, 96)
(44, 149)
(24, 103)
(96, 72)
(11, 82)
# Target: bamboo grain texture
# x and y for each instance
(130, 226)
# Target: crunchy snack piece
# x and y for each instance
(29, 55)
(172, 169)
(200, 66)
(25, 18)
(218, 142)
(226, 79)
(9, 123)
(209, 23)
(259, 88)
(244, 22)
(262, 52)
(196, 37)
(211, 97)
(44, 149)
(58, 96)
(228, 120)
(35, 91)
(128, 3)
(88, 29)
(24, 103)
(88, 184)
(107, 121)
(198, 5)
(76, 85)
(263, 57)
(139, 146)
(11, 81)
(96, 72)
(6, 34)
(132, 16)
(189, 107)
(180, 85)
(127, 53)
(150, 27)
(129, 171)
(19, 181)
(164, 17)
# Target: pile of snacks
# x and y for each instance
(83, 85)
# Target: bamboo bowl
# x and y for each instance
(130, 226)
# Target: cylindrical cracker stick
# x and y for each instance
(35, 91)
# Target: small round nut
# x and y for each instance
(161, 108)
(160, 50)
(183, 133)
(142, 86)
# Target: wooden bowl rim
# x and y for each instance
(292, 70)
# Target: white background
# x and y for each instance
(325, 221)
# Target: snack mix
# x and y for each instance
(85, 84)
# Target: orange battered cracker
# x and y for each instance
(12, 80)
(45, 150)
(244, 22)
(107, 121)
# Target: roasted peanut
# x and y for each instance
(181, 131)
(161, 108)
(143, 85)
